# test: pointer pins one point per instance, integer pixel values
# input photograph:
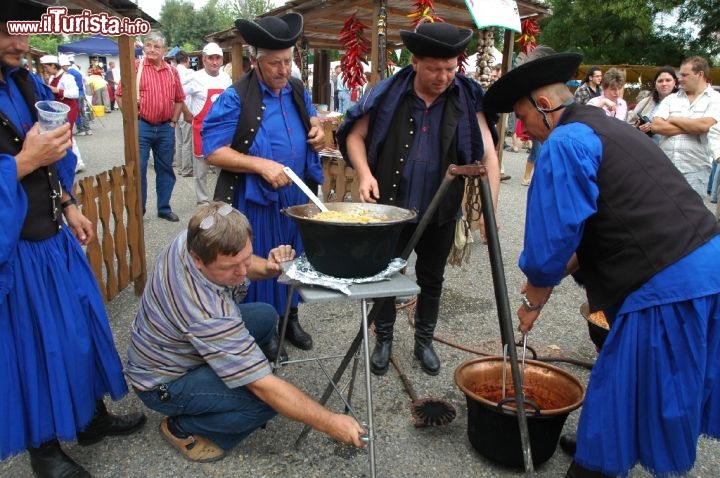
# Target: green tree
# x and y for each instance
(705, 14)
(182, 25)
(617, 31)
(46, 43)
(247, 9)
(178, 23)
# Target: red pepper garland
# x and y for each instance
(425, 12)
(356, 48)
(529, 29)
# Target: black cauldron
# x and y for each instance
(350, 250)
(550, 393)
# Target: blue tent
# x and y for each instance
(173, 52)
(96, 45)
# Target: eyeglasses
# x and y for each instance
(209, 221)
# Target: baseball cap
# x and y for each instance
(49, 60)
(212, 49)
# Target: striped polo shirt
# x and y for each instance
(186, 321)
(160, 89)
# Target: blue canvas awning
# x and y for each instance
(173, 52)
(96, 45)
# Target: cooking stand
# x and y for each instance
(397, 285)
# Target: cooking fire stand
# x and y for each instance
(501, 298)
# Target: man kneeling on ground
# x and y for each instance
(196, 353)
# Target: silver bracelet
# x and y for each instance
(528, 306)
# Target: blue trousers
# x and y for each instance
(202, 404)
(161, 140)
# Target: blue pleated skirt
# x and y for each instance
(272, 228)
(57, 355)
(654, 390)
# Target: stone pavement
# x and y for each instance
(468, 317)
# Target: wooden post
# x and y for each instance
(508, 44)
(237, 60)
(132, 156)
(375, 42)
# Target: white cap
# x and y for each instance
(49, 59)
(64, 60)
(212, 48)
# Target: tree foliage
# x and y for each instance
(46, 43)
(247, 9)
(706, 15)
(626, 31)
(182, 25)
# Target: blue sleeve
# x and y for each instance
(221, 121)
(562, 195)
(12, 217)
(308, 104)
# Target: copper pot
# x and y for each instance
(551, 394)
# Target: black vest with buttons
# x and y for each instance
(394, 151)
(648, 217)
(42, 186)
(248, 124)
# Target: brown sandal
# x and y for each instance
(194, 447)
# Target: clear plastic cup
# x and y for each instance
(51, 115)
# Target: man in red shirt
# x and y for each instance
(160, 101)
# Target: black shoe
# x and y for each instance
(380, 358)
(568, 444)
(296, 335)
(105, 424)
(271, 349)
(50, 461)
(505, 177)
(429, 361)
(169, 216)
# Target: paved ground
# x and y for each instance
(468, 317)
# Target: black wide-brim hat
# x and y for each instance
(272, 33)
(23, 10)
(436, 40)
(526, 78)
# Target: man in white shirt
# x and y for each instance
(201, 91)
(684, 119)
(183, 129)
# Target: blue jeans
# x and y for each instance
(344, 102)
(161, 139)
(202, 404)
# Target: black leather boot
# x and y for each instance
(105, 424)
(577, 471)
(271, 349)
(384, 324)
(50, 461)
(426, 315)
(295, 333)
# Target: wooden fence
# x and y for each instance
(117, 252)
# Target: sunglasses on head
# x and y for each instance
(209, 221)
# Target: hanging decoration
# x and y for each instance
(529, 29)
(304, 61)
(424, 12)
(485, 58)
(352, 36)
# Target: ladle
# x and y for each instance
(301, 184)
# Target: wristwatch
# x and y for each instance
(528, 306)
